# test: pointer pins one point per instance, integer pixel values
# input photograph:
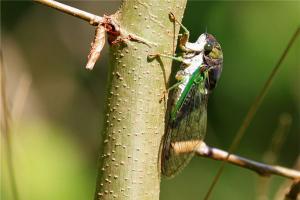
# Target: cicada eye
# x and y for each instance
(208, 48)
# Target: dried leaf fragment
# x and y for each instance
(96, 47)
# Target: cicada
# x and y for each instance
(200, 70)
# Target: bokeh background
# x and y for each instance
(57, 106)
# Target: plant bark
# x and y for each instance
(135, 117)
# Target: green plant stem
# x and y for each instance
(134, 124)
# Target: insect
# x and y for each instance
(176, 142)
(201, 68)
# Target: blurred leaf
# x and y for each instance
(48, 165)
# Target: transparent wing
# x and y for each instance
(185, 131)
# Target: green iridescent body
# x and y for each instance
(200, 70)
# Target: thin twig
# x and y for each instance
(252, 111)
(288, 186)
(217, 154)
(276, 144)
(89, 17)
(262, 169)
(104, 24)
(271, 154)
(6, 131)
(20, 97)
(294, 191)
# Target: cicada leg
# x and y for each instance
(166, 92)
(183, 38)
(180, 78)
(177, 58)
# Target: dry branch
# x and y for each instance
(91, 18)
(294, 191)
(260, 168)
(217, 154)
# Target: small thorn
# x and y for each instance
(172, 16)
(151, 57)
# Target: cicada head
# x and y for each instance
(213, 58)
(212, 48)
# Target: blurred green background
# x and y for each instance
(57, 105)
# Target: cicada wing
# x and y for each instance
(185, 131)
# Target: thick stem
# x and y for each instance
(134, 125)
(130, 163)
